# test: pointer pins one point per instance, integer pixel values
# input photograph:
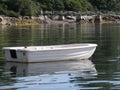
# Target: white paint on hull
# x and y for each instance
(49, 53)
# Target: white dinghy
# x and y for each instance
(49, 53)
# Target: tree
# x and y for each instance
(77, 5)
(46, 4)
(23, 7)
(113, 5)
(58, 5)
(99, 4)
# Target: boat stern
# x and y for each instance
(14, 55)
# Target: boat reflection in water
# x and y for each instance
(67, 67)
(60, 75)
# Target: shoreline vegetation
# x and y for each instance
(47, 19)
(35, 12)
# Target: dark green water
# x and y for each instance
(100, 72)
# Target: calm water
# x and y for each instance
(100, 72)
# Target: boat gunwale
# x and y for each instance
(51, 47)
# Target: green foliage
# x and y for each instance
(77, 5)
(24, 7)
(33, 7)
(109, 5)
(58, 5)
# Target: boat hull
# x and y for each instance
(49, 54)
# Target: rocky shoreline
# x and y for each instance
(26, 20)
